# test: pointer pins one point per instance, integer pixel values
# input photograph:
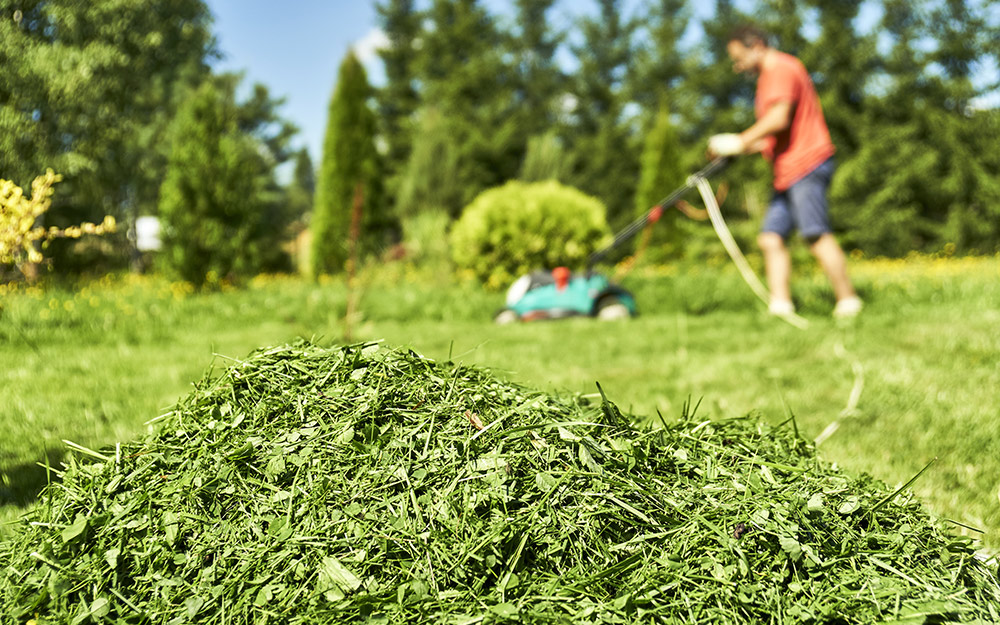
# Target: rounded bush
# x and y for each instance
(511, 230)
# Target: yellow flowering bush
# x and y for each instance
(18, 232)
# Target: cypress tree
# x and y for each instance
(350, 161)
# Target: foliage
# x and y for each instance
(545, 159)
(948, 193)
(302, 188)
(842, 61)
(659, 66)
(539, 85)
(603, 149)
(432, 181)
(663, 169)
(350, 166)
(398, 100)
(515, 504)
(19, 234)
(423, 245)
(213, 199)
(89, 88)
(471, 87)
(511, 230)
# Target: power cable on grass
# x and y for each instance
(734, 250)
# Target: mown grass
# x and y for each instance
(94, 362)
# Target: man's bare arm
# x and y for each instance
(776, 119)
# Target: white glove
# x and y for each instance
(729, 144)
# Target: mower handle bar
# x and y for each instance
(653, 214)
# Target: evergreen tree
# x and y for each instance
(212, 199)
(716, 100)
(545, 159)
(398, 99)
(350, 162)
(302, 188)
(663, 169)
(659, 67)
(602, 147)
(783, 20)
(467, 81)
(842, 62)
(433, 183)
(539, 81)
(925, 174)
(728, 101)
(258, 119)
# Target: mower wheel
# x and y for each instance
(505, 317)
(612, 309)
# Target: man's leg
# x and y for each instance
(831, 258)
(809, 206)
(778, 269)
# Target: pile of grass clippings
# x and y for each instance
(311, 485)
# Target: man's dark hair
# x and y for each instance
(748, 35)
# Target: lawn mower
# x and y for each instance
(560, 293)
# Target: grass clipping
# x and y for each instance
(312, 485)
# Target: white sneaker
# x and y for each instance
(848, 307)
(781, 308)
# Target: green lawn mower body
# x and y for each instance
(559, 294)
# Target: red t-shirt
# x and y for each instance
(806, 143)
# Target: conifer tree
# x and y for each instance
(302, 188)
(783, 20)
(726, 101)
(659, 65)
(842, 62)
(350, 163)
(433, 182)
(538, 80)
(602, 147)
(212, 199)
(925, 174)
(468, 83)
(663, 169)
(398, 99)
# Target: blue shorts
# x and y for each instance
(801, 206)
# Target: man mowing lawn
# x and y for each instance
(791, 133)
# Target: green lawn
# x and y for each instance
(94, 363)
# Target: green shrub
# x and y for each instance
(510, 230)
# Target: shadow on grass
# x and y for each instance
(21, 484)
